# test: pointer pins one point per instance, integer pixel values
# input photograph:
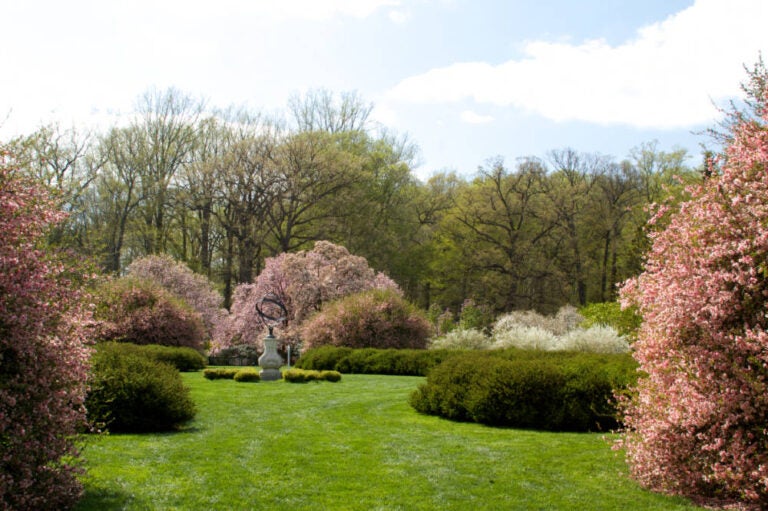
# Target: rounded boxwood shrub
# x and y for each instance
(220, 373)
(556, 392)
(379, 318)
(249, 374)
(132, 393)
(303, 375)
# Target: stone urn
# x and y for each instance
(270, 361)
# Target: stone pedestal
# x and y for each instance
(270, 361)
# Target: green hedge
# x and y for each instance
(307, 375)
(220, 373)
(402, 362)
(528, 389)
(247, 375)
(182, 358)
(130, 392)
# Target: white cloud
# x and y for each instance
(399, 16)
(666, 77)
(474, 118)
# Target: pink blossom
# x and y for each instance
(696, 424)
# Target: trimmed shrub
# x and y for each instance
(378, 318)
(247, 375)
(141, 312)
(304, 376)
(132, 393)
(373, 361)
(220, 373)
(546, 391)
(322, 357)
(183, 359)
(462, 339)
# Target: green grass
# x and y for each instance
(352, 445)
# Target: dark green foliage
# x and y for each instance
(372, 361)
(535, 390)
(183, 359)
(220, 373)
(130, 392)
(247, 375)
(625, 321)
(306, 375)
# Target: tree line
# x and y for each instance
(222, 190)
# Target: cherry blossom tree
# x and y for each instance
(303, 281)
(43, 352)
(697, 423)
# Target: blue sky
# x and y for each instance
(467, 80)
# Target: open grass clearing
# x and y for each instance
(352, 445)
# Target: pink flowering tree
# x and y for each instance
(175, 277)
(698, 424)
(43, 353)
(303, 281)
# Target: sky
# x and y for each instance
(465, 80)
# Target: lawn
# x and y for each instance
(352, 445)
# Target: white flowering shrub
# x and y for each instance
(524, 337)
(462, 339)
(566, 319)
(595, 339)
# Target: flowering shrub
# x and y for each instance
(196, 290)
(140, 312)
(461, 339)
(43, 353)
(524, 337)
(304, 281)
(595, 339)
(371, 319)
(698, 423)
(567, 318)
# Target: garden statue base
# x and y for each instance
(270, 361)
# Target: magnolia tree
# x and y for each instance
(303, 281)
(43, 353)
(698, 424)
(196, 290)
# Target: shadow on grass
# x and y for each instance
(104, 499)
